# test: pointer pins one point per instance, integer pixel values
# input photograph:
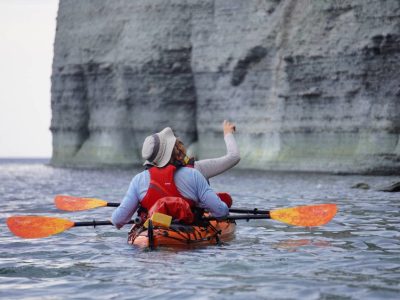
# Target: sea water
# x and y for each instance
(355, 256)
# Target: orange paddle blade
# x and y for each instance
(30, 227)
(71, 203)
(312, 215)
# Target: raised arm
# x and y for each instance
(214, 166)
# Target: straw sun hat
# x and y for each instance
(157, 148)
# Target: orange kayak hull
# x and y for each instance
(184, 236)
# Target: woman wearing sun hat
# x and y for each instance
(168, 176)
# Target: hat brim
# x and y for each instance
(166, 156)
(167, 144)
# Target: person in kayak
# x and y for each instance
(170, 184)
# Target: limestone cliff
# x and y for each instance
(313, 85)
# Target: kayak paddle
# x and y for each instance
(308, 215)
(71, 203)
(30, 227)
(40, 226)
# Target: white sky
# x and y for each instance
(27, 29)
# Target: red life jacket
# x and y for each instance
(163, 195)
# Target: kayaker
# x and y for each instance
(168, 178)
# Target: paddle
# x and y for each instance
(71, 203)
(39, 226)
(29, 227)
(308, 216)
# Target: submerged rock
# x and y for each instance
(361, 185)
(312, 85)
(395, 187)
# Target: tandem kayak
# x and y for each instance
(181, 235)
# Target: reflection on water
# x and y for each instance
(294, 245)
(356, 256)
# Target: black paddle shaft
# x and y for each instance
(95, 223)
(240, 217)
(254, 211)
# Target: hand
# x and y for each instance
(228, 127)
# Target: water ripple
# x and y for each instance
(356, 256)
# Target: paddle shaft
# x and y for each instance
(241, 217)
(95, 223)
(254, 211)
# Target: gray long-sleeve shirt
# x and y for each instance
(214, 166)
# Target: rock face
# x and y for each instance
(311, 85)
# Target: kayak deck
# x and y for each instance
(183, 236)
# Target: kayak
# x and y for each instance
(181, 235)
